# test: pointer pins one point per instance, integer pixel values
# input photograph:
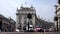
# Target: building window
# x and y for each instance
(19, 21)
(25, 22)
(20, 17)
(25, 17)
(31, 23)
(24, 27)
(19, 27)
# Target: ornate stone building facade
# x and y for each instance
(23, 21)
(25, 16)
(7, 25)
(44, 24)
(57, 16)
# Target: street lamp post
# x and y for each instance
(1, 24)
(56, 18)
(57, 26)
(29, 16)
(28, 26)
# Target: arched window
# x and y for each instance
(31, 23)
(19, 18)
(25, 16)
(24, 27)
(25, 22)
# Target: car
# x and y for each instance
(17, 30)
(39, 30)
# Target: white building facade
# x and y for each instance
(57, 15)
(22, 19)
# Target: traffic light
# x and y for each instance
(55, 18)
(29, 16)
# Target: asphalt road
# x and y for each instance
(29, 33)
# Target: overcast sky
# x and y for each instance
(44, 8)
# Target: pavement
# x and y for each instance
(29, 32)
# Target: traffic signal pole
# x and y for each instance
(29, 16)
(28, 26)
(56, 18)
(57, 26)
